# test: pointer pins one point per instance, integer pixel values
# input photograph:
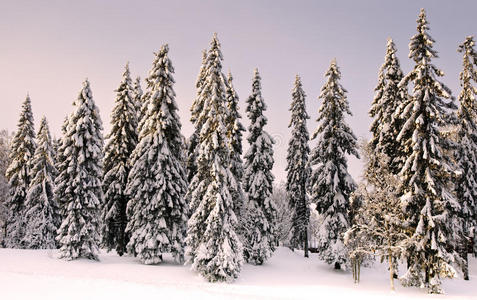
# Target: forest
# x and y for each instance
(145, 190)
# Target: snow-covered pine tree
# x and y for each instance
(55, 145)
(196, 108)
(298, 169)
(61, 164)
(234, 134)
(41, 209)
(22, 149)
(157, 183)
(213, 246)
(121, 142)
(384, 160)
(260, 214)
(138, 100)
(330, 184)
(5, 139)
(387, 100)
(80, 180)
(198, 103)
(426, 191)
(466, 155)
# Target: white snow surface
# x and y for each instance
(38, 274)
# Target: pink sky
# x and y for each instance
(49, 47)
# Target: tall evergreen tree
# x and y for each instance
(298, 169)
(384, 160)
(197, 106)
(121, 142)
(80, 180)
(330, 184)
(386, 123)
(138, 100)
(234, 134)
(5, 139)
(19, 175)
(259, 230)
(55, 145)
(61, 165)
(157, 181)
(213, 246)
(466, 155)
(427, 197)
(41, 209)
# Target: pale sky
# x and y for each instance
(48, 48)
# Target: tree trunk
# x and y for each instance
(473, 242)
(391, 269)
(305, 240)
(359, 268)
(390, 257)
(395, 266)
(353, 269)
(427, 275)
(354, 265)
(465, 267)
(337, 266)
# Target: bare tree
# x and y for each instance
(378, 222)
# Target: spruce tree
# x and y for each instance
(41, 209)
(297, 169)
(197, 105)
(384, 160)
(55, 145)
(157, 181)
(138, 100)
(121, 142)
(19, 175)
(61, 165)
(5, 139)
(234, 134)
(259, 230)
(426, 192)
(330, 184)
(213, 247)
(466, 155)
(80, 180)
(386, 123)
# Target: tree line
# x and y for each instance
(149, 191)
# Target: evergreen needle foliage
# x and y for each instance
(330, 184)
(19, 177)
(213, 246)
(431, 209)
(121, 142)
(79, 183)
(466, 154)
(389, 98)
(41, 209)
(259, 225)
(157, 182)
(298, 169)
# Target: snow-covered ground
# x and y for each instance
(37, 274)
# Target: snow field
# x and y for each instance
(38, 274)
